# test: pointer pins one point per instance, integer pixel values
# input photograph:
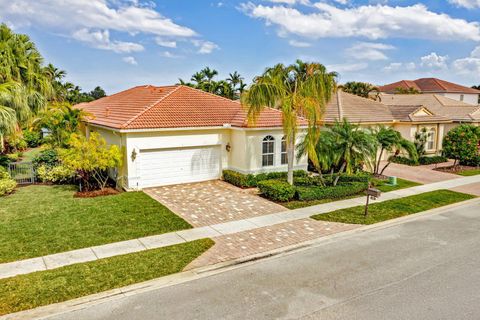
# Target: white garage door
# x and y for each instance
(172, 166)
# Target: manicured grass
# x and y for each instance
(40, 220)
(46, 287)
(383, 186)
(401, 184)
(394, 208)
(468, 173)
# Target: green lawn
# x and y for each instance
(394, 208)
(40, 220)
(29, 154)
(468, 173)
(383, 186)
(401, 184)
(46, 287)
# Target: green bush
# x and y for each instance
(461, 144)
(403, 160)
(249, 180)
(339, 191)
(432, 160)
(48, 157)
(4, 160)
(32, 138)
(55, 174)
(276, 190)
(7, 185)
(13, 157)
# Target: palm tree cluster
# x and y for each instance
(362, 89)
(27, 87)
(231, 88)
(410, 90)
(301, 89)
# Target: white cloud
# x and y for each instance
(291, 2)
(168, 54)
(368, 21)
(299, 44)
(205, 47)
(347, 67)
(369, 51)
(434, 61)
(166, 43)
(470, 4)
(469, 65)
(101, 40)
(400, 66)
(82, 19)
(130, 60)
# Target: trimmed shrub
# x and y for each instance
(55, 174)
(277, 190)
(13, 157)
(7, 185)
(461, 144)
(32, 138)
(249, 180)
(403, 160)
(365, 178)
(340, 191)
(432, 160)
(239, 179)
(4, 160)
(48, 157)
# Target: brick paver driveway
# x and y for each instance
(421, 174)
(212, 202)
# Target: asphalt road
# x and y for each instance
(423, 269)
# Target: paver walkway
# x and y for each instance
(213, 231)
(421, 174)
(247, 243)
(212, 202)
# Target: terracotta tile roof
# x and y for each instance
(356, 109)
(439, 105)
(149, 107)
(428, 85)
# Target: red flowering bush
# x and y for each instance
(461, 144)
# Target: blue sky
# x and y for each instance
(121, 43)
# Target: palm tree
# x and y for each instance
(362, 89)
(390, 140)
(209, 73)
(198, 78)
(352, 147)
(410, 90)
(301, 89)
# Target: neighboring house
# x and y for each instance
(407, 119)
(436, 86)
(177, 134)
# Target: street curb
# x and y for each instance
(44, 312)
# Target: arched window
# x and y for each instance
(268, 151)
(283, 152)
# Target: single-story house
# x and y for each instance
(436, 86)
(177, 134)
(408, 119)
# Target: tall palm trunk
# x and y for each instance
(377, 166)
(342, 168)
(2, 143)
(290, 158)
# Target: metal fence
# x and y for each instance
(22, 172)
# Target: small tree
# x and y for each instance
(91, 159)
(461, 144)
(421, 141)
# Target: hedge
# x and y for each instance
(339, 191)
(7, 185)
(403, 160)
(277, 190)
(249, 180)
(432, 160)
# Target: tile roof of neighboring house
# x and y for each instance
(151, 107)
(356, 109)
(428, 85)
(415, 114)
(439, 105)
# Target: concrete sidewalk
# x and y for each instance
(217, 230)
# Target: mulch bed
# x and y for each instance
(454, 170)
(96, 193)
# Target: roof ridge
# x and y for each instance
(440, 84)
(149, 107)
(339, 104)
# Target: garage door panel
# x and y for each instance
(162, 167)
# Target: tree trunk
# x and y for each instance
(2, 144)
(344, 164)
(290, 158)
(377, 167)
(388, 163)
